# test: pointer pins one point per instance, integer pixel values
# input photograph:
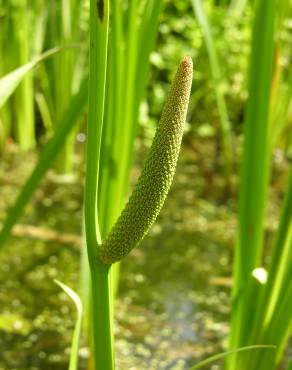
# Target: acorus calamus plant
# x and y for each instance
(140, 211)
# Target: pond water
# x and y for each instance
(173, 301)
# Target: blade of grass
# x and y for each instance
(147, 35)
(45, 113)
(217, 78)
(280, 268)
(24, 120)
(130, 79)
(73, 364)
(39, 24)
(282, 80)
(148, 30)
(254, 171)
(278, 332)
(219, 356)
(64, 72)
(274, 316)
(10, 82)
(5, 42)
(113, 131)
(114, 175)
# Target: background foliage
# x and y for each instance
(165, 291)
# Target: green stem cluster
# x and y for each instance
(260, 310)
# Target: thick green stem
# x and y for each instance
(101, 295)
(102, 317)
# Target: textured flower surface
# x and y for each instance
(157, 174)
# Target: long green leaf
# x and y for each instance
(116, 154)
(73, 364)
(219, 356)
(281, 262)
(9, 82)
(47, 157)
(217, 78)
(254, 174)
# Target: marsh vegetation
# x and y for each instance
(82, 91)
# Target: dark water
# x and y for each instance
(173, 303)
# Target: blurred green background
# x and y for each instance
(173, 302)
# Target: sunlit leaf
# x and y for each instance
(73, 365)
(9, 82)
(219, 356)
